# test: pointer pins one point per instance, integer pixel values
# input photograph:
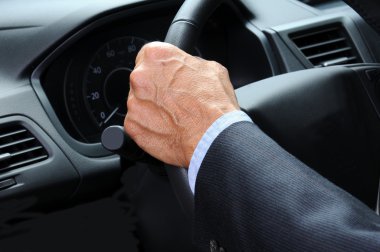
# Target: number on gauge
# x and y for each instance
(106, 81)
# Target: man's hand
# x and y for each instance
(174, 98)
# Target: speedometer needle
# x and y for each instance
(111, 115)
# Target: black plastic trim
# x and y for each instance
(243, 16)
(378, 201)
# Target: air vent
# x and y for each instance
(18, 147)
(326, 46)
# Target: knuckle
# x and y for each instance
(131, 131)
(218, 67)
(223, 69)
(136, 78)
(156, 50)
(131, 104)
(142, 83)
(130, 127)
(127, 124)
(153, 51)
(213, 64)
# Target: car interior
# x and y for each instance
(305, 71)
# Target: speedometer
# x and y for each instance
(106, 80)
(97, 84)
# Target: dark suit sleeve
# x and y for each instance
(251, 195)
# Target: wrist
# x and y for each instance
(195, 137)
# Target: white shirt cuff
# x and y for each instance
(208, 138)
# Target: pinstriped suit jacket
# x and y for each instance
(251, 195)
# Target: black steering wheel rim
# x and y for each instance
(183, 33)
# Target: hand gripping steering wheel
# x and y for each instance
(286, 106)
(183, 33)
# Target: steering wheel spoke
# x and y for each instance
(328, 118)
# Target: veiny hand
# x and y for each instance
(174, 98)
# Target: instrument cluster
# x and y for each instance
(87, 82)
(101, 88)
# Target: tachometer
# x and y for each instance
(106, 80)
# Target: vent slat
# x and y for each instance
(19, 147)
(326, 46)
(322, 43)
(13, 133)
(339, 61)
(5, 157)
(26, 162)
(328, 53)
(314, 33)
(26, 151)
(17, 142)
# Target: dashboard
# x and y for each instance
(65, 66)
(87, 83)
(93, 73)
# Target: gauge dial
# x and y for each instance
(97, 84)
(106, 80)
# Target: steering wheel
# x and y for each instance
(183, 33)
(343, 101)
